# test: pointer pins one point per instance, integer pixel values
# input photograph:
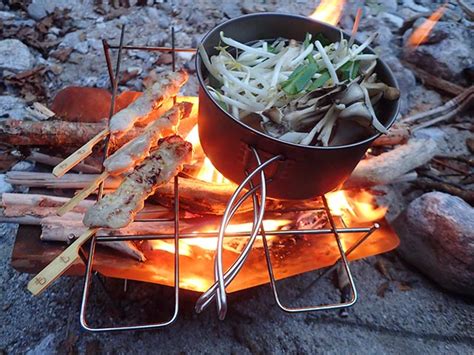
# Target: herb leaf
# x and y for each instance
(350, 70)
(299, 79)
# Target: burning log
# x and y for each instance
(60, 229)
(389, 166)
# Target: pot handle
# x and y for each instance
(277, 169)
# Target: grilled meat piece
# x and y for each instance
(149, 103)
(139, 148)
(118, 209)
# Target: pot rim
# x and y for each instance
(276, 140)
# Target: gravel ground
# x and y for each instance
(403, 313)
(413, 316)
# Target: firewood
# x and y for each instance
(387, 167)
(428, 184)
(436, 82)
(62, 230)
(36, 205)
(398, 134)
(79, 155)
(53, 133)
(53, 161)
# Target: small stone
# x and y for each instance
(45, 346)
(36, 11)
(77, 41)
(12, 107)
(164, 59)
(23, 166)
(4, 186)
(437, 236)
(56, 69)
(5, 15)
(15, 56)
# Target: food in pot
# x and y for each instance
(118, 209)
(306, 92)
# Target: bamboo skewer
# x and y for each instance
(79, 155)
(59, 265)
(73, 202)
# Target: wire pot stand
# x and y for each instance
(256, 191)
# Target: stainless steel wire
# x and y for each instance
(218, 290)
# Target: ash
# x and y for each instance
(402, 308)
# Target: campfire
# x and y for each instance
(212, 230)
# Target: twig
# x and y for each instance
(426, 183)
(442, 110)
(436, 82)
(465, 104)
(467, 9)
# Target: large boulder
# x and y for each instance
(437, 236)
(15, 56)
(447, 52)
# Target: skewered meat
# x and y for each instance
(149, 103)
(138, 149)
(118, 209)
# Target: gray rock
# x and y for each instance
(448, 52)
(5, 15)
(410, 4)
(12, 107)
(15, 56)
(45, 346)
(36, 11)
(48, 6)
(437, 236)
(76, 40)
(4, 186)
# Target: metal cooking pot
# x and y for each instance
(304, 172)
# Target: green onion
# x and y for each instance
(299, 79)
(319, 82)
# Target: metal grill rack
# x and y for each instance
(257, 190)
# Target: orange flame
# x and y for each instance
(420, 35)
(329, 11)
(207, 171)
(210, 243)
(358, 208)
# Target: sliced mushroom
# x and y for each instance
(273, 129)
(329, 118)
(273, 114)
(389, 92)
(357, 109)
(293, 137)
(368, 68)
(352, 94)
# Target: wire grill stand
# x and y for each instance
(217, 292)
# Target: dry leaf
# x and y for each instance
(382, 289)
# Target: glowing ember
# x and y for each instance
(185, 245)
(420, 35)
(360, 207)
(329, 11)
